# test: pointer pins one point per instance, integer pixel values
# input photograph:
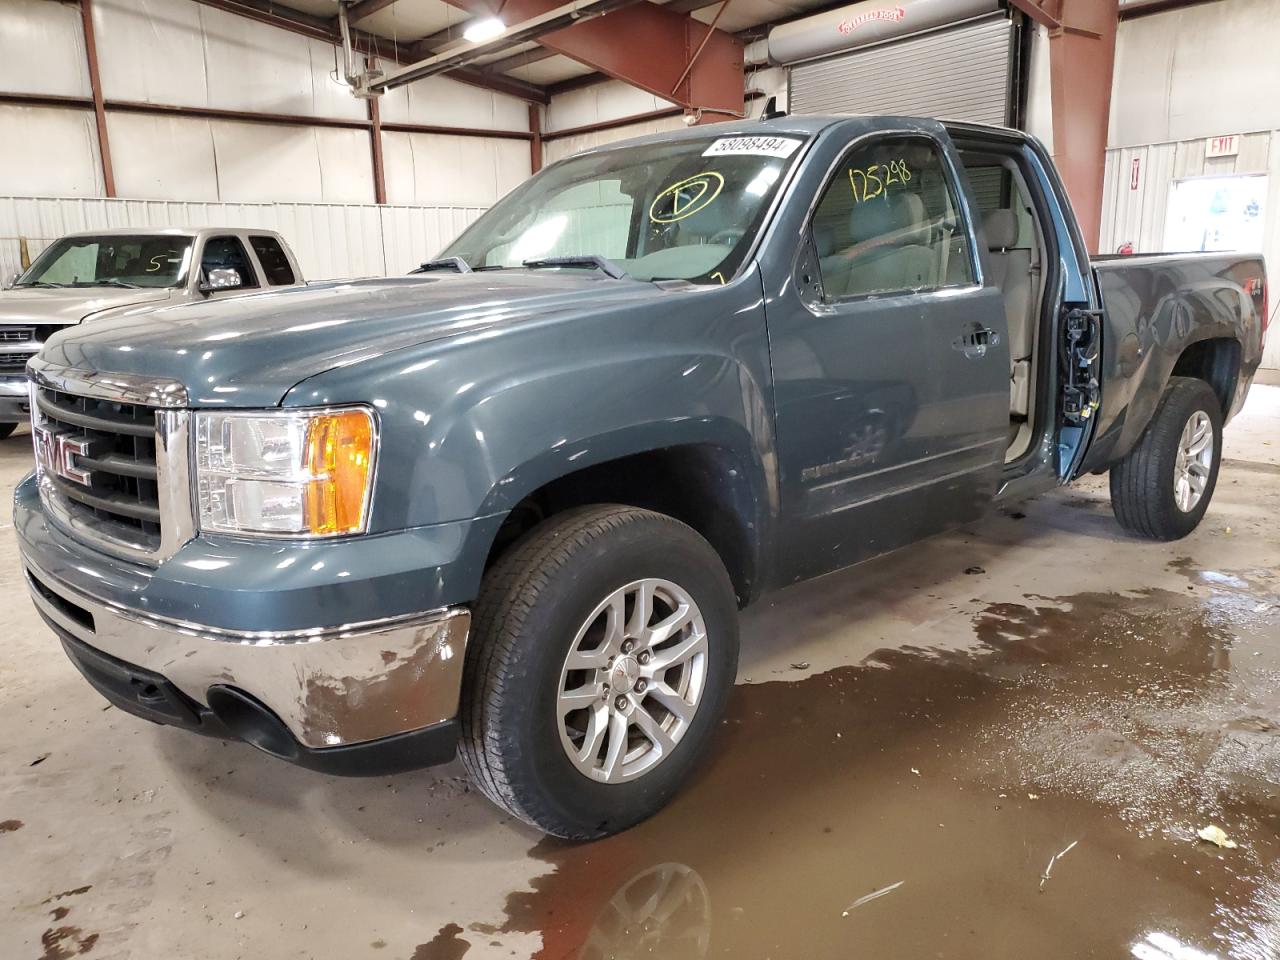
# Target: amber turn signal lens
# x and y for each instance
(340, 461)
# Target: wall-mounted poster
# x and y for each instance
(1216, 213)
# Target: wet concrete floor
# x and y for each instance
(1001, 743)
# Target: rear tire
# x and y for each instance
(6, 429)
(575, 612)
(1162, 488)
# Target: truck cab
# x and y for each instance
(95, 275)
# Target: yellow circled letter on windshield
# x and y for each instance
(686, 198)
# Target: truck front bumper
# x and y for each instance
(363, 698)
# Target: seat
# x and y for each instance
(1011, 272)
(880, 255)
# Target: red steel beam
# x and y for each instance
(1082, 53)
(535, 143)
(644, 45)
(375, 144)
(95, 84)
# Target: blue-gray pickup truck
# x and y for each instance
(508, 508)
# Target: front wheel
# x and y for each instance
(604, 646)
(1162, 488)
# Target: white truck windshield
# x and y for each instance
(111, 261)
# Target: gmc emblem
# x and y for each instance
(57, 452)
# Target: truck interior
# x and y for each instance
(1016, 261)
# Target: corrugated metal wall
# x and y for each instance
(186, 54)
(331, 240)
(1134, 211)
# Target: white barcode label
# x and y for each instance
(753, 147)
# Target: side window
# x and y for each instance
(227, 253)
(275, 263)
(888, 222)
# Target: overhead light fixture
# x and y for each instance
(478, 31)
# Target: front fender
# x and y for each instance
(473, 424)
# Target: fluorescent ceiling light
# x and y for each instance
(478, 31)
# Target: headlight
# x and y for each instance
(290, 473)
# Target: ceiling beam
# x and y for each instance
(366, 8)
(322, 28)
(647, 46)
(465, 53)
(518, 60)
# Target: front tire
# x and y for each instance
(604, 647)
(6, 429)
(1162, 488)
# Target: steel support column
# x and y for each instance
(375, 145)
(646, 46)
(535, 144)
(95, 85)
(1082, 51)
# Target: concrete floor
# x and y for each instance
(1000, 743)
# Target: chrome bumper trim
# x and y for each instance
(330, 685)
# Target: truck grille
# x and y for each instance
(17, 334)
(99, 458)
(15, 363)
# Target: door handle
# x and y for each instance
(974, 343)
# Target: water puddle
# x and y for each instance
(1037, 796)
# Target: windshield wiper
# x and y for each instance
(41, 283)
(603, 264)
(109, 282)
(456, 264)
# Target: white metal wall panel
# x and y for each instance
(599, 102)
(961, 73)
(183, 53)
(331, 240)
(1135, 211)
(151, 50)
(425, 168)
(157, 156)
(1199, 71)
(42, 49)
(411, 235)
(561, 147)
(49, 150)
(441, 102)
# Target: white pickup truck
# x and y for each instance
(100, 274)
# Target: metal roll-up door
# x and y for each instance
(956, 73)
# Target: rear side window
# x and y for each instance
(888, 222)
(275, 263)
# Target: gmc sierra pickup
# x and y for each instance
(93, 276)
(509, 508)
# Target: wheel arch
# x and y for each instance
(708, 480)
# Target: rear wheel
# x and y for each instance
(6, 429)
(1162, 488)
(604, 646)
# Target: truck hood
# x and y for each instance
(44, 305)
(249, 351)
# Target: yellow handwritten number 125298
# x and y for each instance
(870, 182)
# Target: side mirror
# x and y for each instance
(11, 281)
(219, 278)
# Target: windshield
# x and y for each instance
(111, 261)
(682, 210)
